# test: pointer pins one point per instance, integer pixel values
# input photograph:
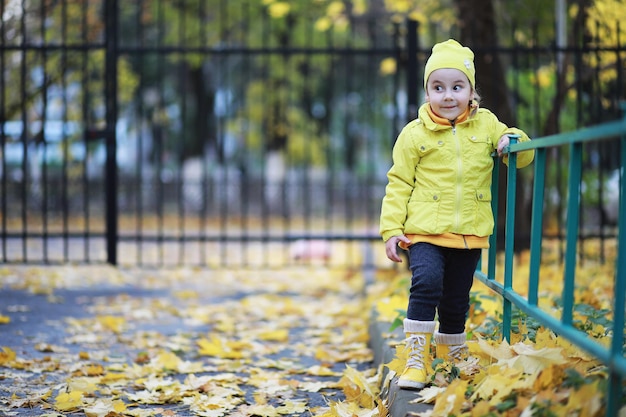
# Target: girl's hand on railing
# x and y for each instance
(503, 142)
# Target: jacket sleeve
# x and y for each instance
(401, 181)
(523, 158)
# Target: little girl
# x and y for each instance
(437, 205)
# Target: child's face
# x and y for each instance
(449, 92)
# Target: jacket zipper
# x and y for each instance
(459, 176)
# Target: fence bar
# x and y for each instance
(509, 237)
(573, 217)
(493, 239)
(536, 227)
(111, 20)
(615, 386)
(606, 130)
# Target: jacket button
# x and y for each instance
(480, 196)
(435, 198)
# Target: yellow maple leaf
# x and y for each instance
(93, 370)
(497, 383)
(399, 360)
(166, 360)
(112, 377)
(104, 408)
(532, 360)
(68, 401)
(496, 350)
(7, 355)
(545, 338)
(550, 376)
(86, 385)
(451, 400)
(216, 347)
(429, 395)
(350, 409)
(356, 388)
(481, 409)
(292, 408)
(279, 335)
(387, 308)
(262, 410)
(587, 401)
(320, 370)
(113, 323)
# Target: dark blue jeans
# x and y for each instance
(441, 282)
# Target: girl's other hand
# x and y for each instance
(391, 247)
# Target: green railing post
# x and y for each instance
(615, 384)
(509, 238)
(571, 242)
(536, 227)
(493, 239)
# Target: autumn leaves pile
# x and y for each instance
(538, 373)
(292, 342)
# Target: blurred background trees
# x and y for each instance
(275, 107)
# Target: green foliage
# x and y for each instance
(536, 88)
(573, 379)
(492, 326)
(592, 317)
(446, 369)
(398, 321)
(508, 402)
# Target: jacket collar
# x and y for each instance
(424, 114)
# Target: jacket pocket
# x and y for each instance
(423, 212)
(484, 216)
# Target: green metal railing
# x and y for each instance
(613, 356)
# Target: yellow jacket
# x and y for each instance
(440, 181)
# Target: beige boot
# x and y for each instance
(418, 337)
(451, 347)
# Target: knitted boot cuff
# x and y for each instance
(416, 326)
(450, 339)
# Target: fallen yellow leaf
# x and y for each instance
(218, 348)
(68, 401)
(113, 323)
(280, 335)
(450, 402)
(7, 355)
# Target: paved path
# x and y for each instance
(178, 342)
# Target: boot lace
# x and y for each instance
(417, 344)
(458, 352)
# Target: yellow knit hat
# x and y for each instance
(451, 54)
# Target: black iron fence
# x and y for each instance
(222, 133)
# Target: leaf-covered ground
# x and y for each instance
(98, 341)
(539, 373)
